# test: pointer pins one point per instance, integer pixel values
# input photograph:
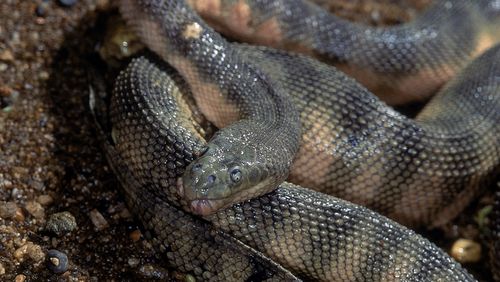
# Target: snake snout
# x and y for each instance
(203, 190)
(203, 180)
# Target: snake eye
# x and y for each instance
(235, 174)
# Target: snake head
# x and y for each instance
(222, 175)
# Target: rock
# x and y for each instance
(15, 38)
(29, 250)
(8, 97)
(7, 230)
(20, 252)
(35, 252)
(37, 185)
(466, 251)
(98, 220)
(5, 91)
(20, 278)
(10, 210)
(61, 223)
(19, 216)
(41, 9)
(153, 272)
(7, 209)
(45, 200)
(2, 269)
(6, 56)
(125, 214)
(57, 261)
(35, 209)
(15, 193)
(44, 75)
(133, 262)
(102, 5)
(135, 235)
(67, 3)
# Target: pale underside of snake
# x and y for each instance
(352, 145)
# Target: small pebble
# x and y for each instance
(45, 200)
(41, 9)
(125, 214)
(7, 209)
(6, 56)
(57, 261)
(16, 193)
(102, 5)
(35, 209)
(44, 75)
(466, 251)
(2, 269)
(8, 97)
(37, 185)
(35, 252)
(20, 278)
(153, 272)
(5, 90)
(7, 230)
(19, 216)
(98, 220)
(133, 262)
(54, 241)
(375, 15)
(61, 223)
(135, 235)
(40, 21)
(28, 86)
(29, 250)
(67, 3)
(35, 36)
(15, 38)
(20, 252)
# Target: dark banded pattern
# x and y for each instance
(421, 171)
(315, 236)
(259, 126)
(418, 172)
(400, 63)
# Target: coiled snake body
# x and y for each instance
(353, 146)
(400, 64)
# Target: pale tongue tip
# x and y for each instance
(202, 207)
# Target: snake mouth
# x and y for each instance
(200, 206)
(205, 207)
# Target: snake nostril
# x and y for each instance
(211, 179)
(196, 167)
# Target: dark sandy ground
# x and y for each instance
(50, 161)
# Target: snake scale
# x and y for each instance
(352, 145)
